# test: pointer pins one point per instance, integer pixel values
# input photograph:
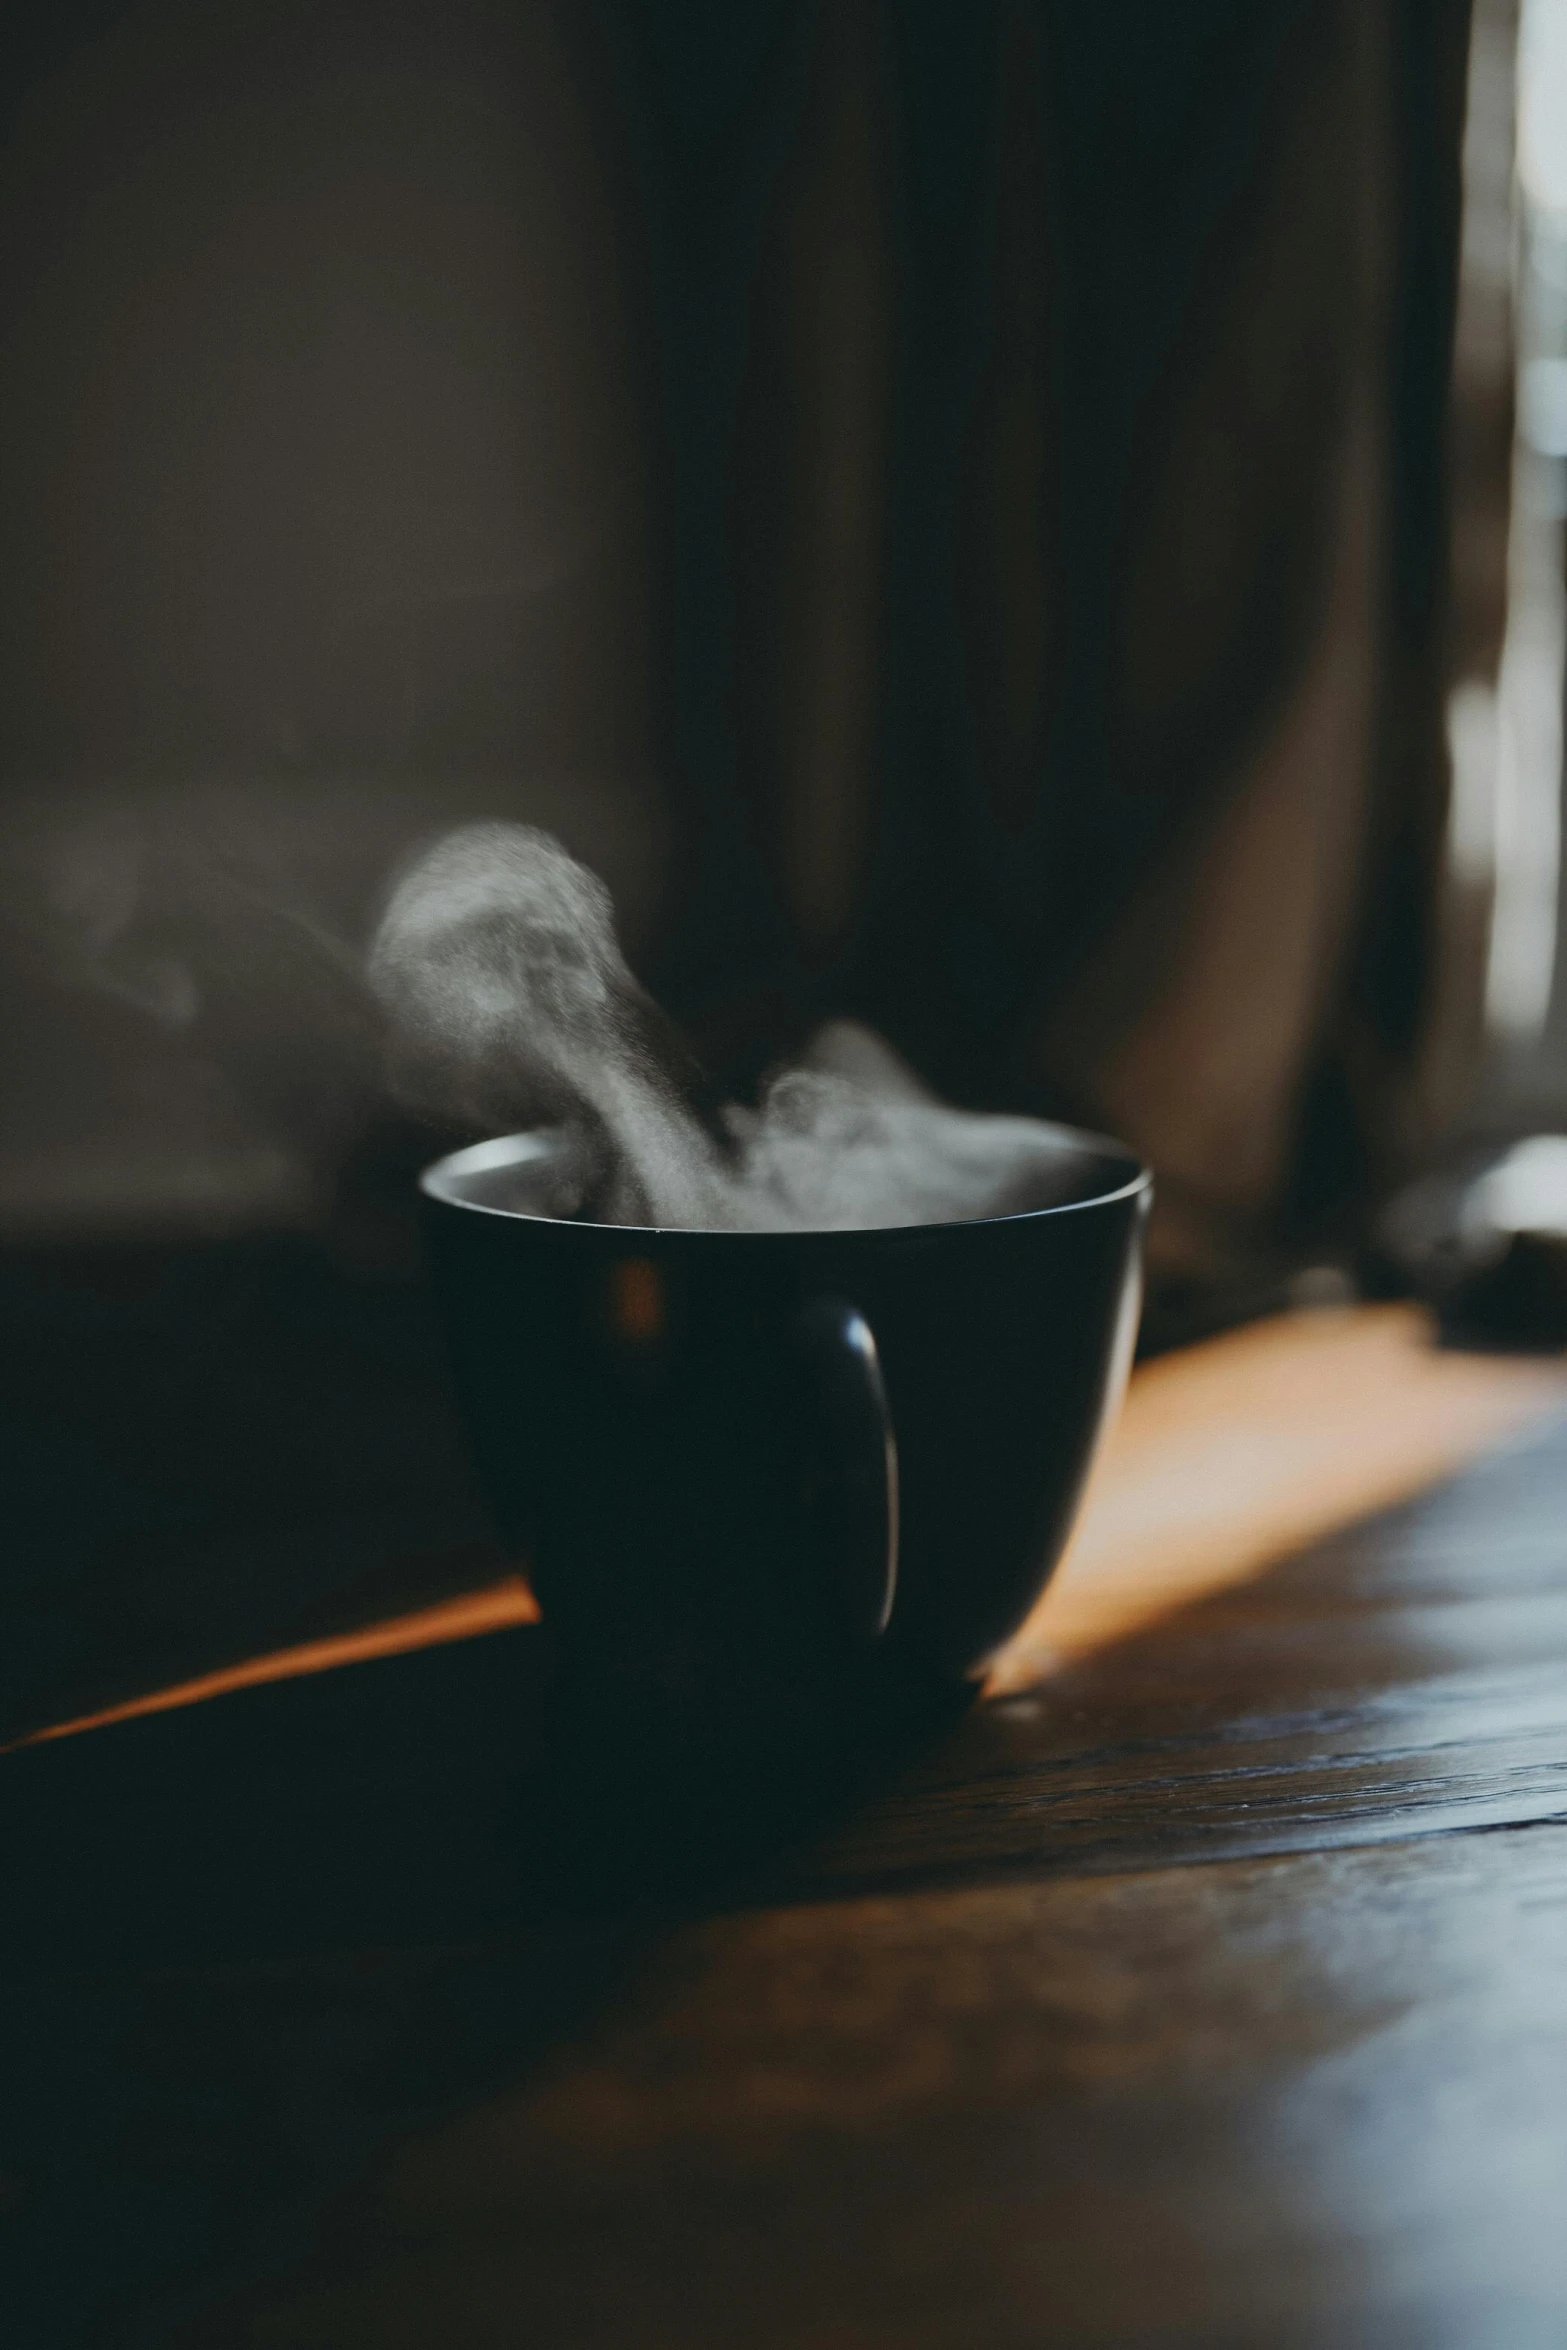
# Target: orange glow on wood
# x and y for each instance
(1227, 1456)
(491, 1610)
(1235, 1452)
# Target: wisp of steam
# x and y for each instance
(510, 1006)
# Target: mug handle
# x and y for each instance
(852, 1478)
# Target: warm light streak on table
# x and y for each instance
(1227, 1456)
(1231, 1454)
(1138, 2009)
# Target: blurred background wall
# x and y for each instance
(321, 529)
(964, 511)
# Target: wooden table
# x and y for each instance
(1203, 1987)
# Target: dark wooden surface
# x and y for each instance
(1166, 2004)
(1401, 1677)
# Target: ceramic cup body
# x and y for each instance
(783, 1447)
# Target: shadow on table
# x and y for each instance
(245, 1945)
(244, 1942)
(460, 1790)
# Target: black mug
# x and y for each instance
(768, 1454)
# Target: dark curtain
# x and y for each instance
(1052, 405)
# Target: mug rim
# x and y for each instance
(533, 1143)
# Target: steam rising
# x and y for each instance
(510, 1005)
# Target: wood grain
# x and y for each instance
(1231, 1454)
(1312, 2102)
(1155, 2004)
(1407, 1675)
